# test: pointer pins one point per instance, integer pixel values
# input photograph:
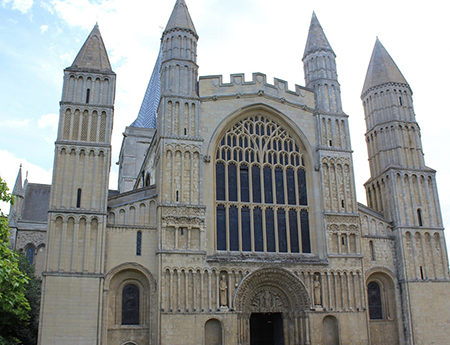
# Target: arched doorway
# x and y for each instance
(272, 303)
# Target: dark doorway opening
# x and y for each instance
(266, 329)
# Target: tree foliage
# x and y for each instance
(14, 306)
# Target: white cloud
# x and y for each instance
(21, 5)
(49, 120)
(15, 123)
(43, 28)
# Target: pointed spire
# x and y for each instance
(93, 55)
(316, 38)
(18, 188)
(148, 113)
(382, 69)
(180, 18)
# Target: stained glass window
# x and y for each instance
(261, 189)
(375, 304)
(130, 305)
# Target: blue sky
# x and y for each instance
(39, 38)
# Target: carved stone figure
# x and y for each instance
(317, 292)
(223, 296)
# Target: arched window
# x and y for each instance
(130, 305)
(79, 198)
(375, 302)
(419, 217)
(30, 255)
(261, 193)
(138, 242)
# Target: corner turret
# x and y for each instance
(319, 62)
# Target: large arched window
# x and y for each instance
(261, 194)
(130, 305)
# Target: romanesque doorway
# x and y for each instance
(266, 329)
(272, 305)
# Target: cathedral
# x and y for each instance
(235, 220)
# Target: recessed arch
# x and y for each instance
(262, 166)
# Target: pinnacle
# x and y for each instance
(382, 69)
(18, 188)
(180, 18)
(93, 55)
(316, 38)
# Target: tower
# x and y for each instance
(78, 203)
(178, 169)
(403, 189)
(333, 142)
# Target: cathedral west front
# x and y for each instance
(235, 220)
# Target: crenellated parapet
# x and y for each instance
(213, 88)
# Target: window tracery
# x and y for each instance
(261, 189)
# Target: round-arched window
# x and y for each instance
(261, 194)
(130, 305)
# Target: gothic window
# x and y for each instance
(30, 255)
(261, 190)
(375, 303)
(130, 305)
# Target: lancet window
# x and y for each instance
(261, 190)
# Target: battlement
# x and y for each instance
(213, 87)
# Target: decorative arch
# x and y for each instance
(273, 290)
(293, 293)
(117, 281)
(213, 332)
(382, 300)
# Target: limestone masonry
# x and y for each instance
(235, 220)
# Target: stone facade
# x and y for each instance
(236, 220)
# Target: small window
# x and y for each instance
(400, 101)
(372, 250)
(30, 255)
(79, 198)
(130, 305)
(419, 217)
(138, 243)
(88, 94)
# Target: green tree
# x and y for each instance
(14, 306)
(27, 334)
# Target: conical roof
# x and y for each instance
(180, 18)
(18, 187)
(93, 55)
(382, 69)
(149, 109)
(316, 38)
